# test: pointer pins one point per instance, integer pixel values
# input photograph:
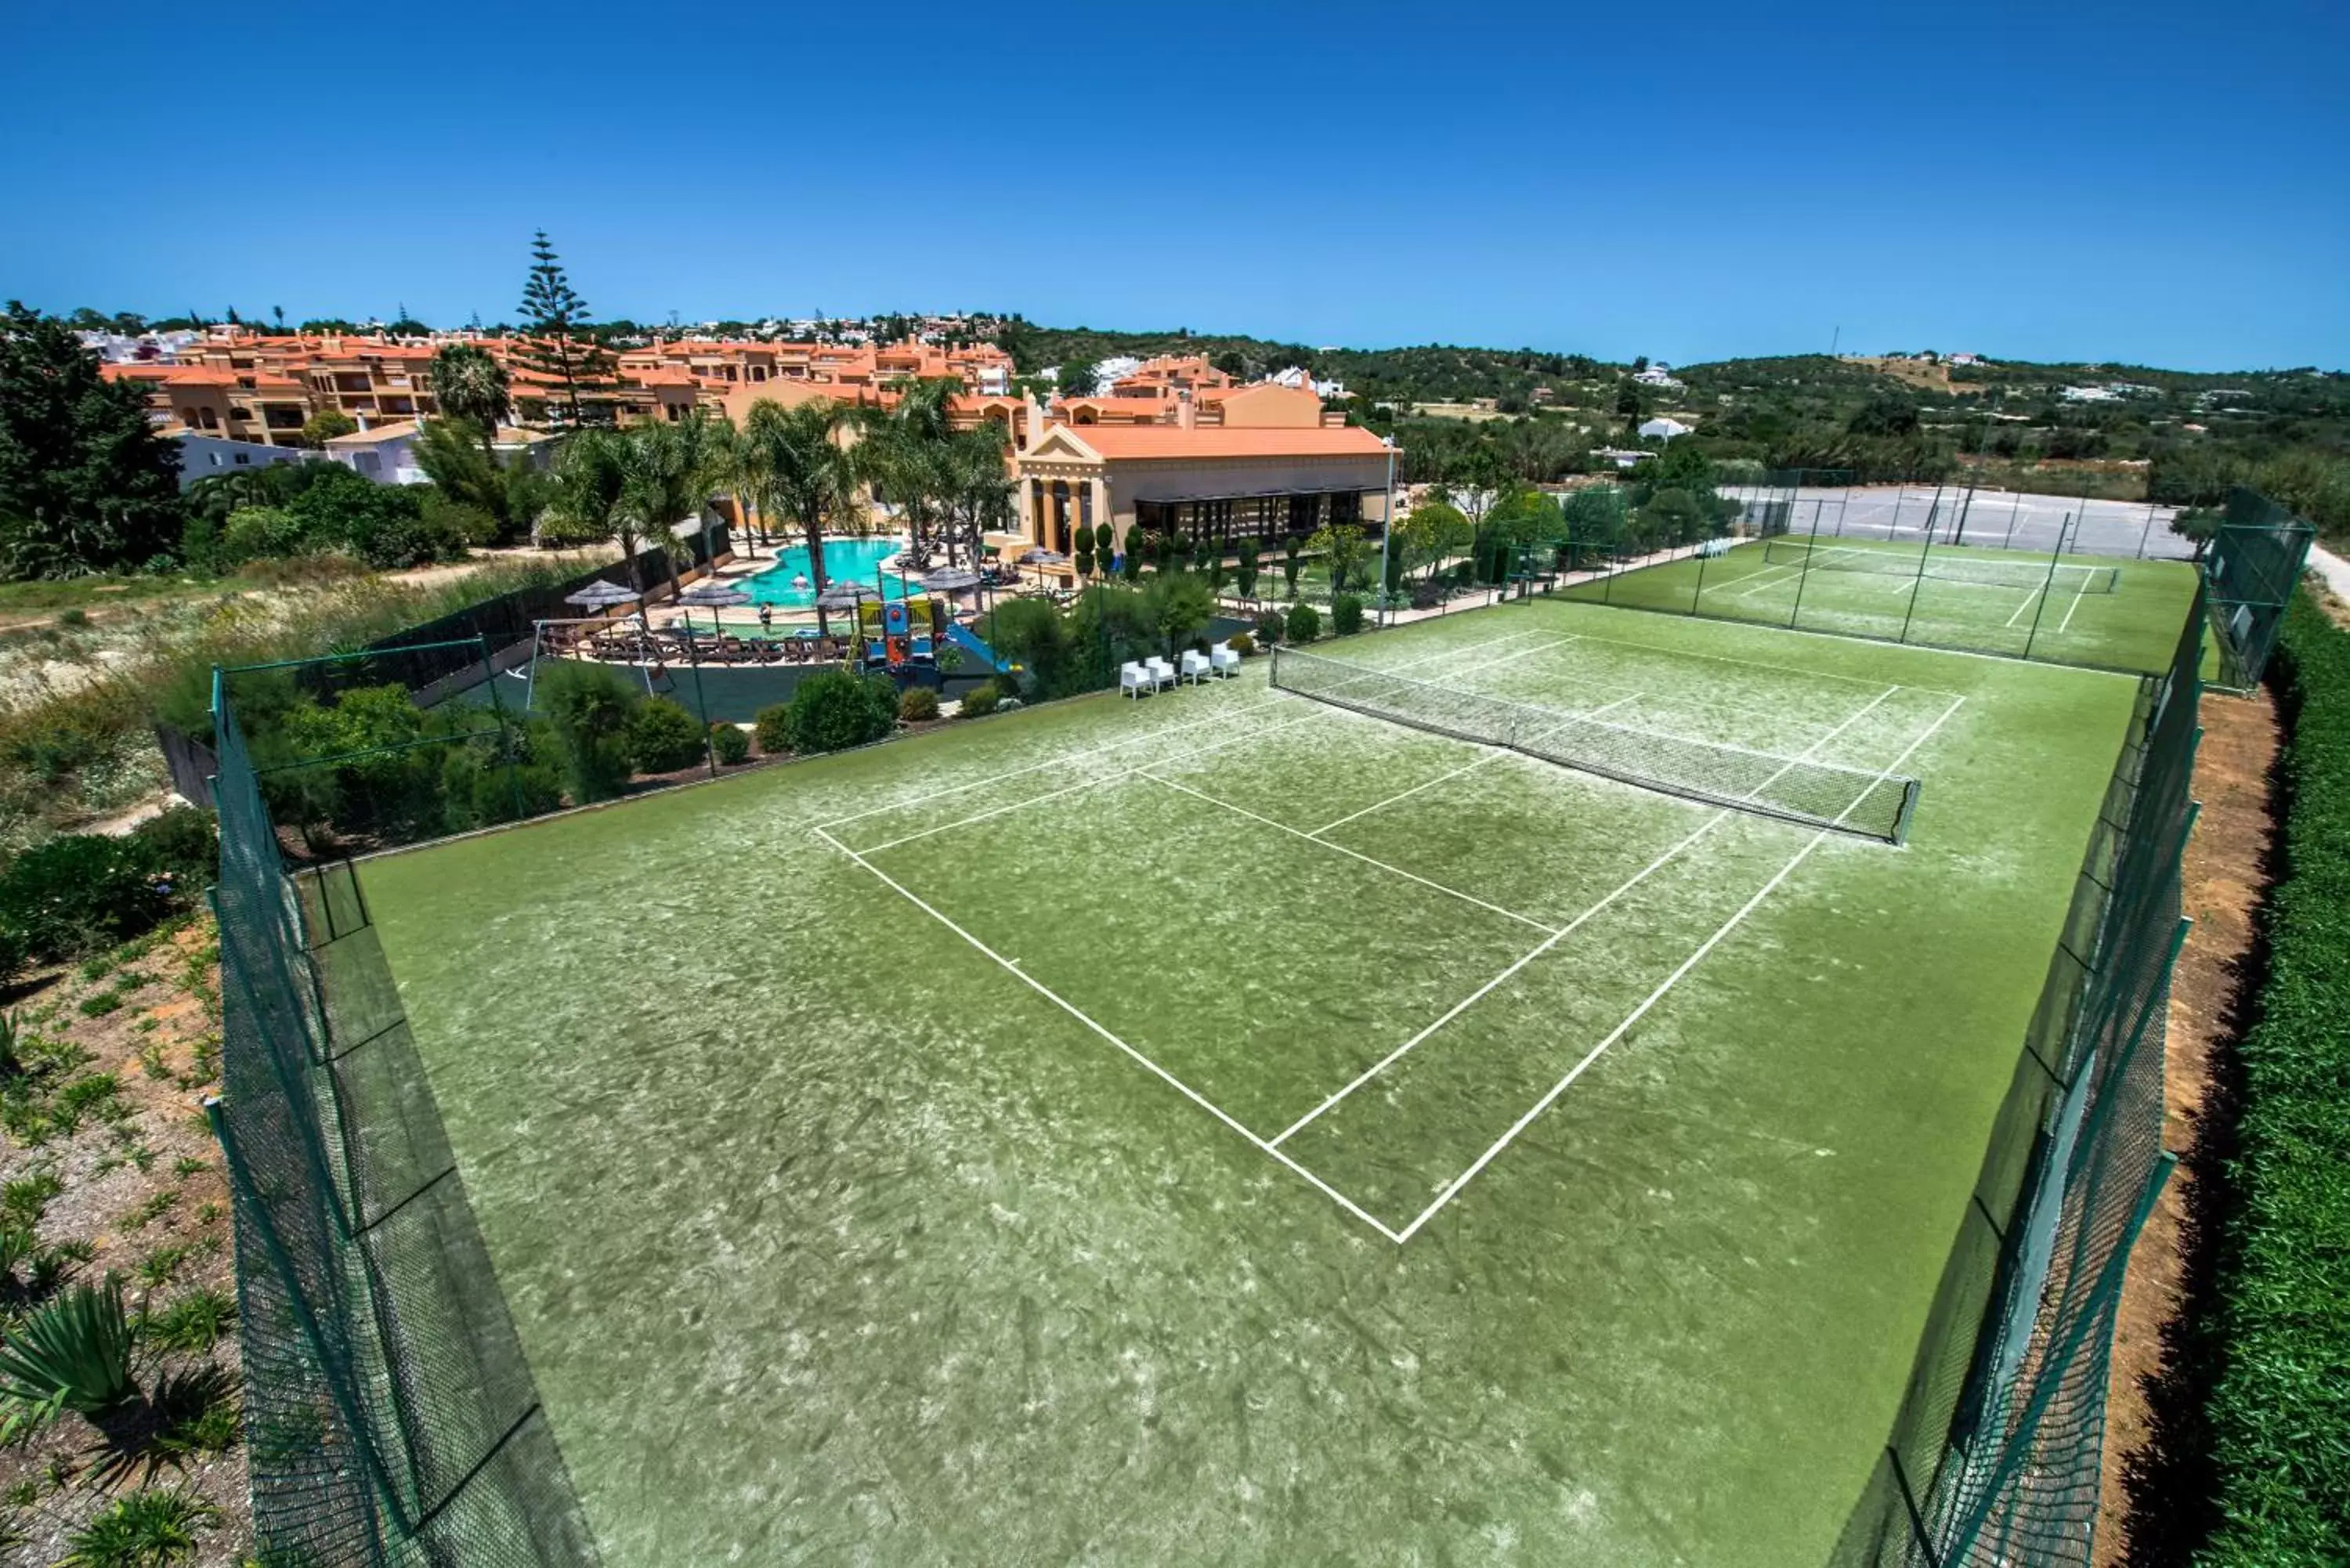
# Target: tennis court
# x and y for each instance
(2101, 611)
(1239, 1125)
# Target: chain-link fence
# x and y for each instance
(1798, 549)
(2254, 563)
(1994, 1456)
(390, 1416)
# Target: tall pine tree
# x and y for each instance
(85, 484)
(555, 319)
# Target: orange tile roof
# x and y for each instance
(1152, 442)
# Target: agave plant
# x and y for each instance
(74, 1353)
(143, 1529)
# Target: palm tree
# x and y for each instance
(667, 472)
(468, 385)
(803, 471)
(590, 479)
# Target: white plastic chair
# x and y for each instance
(1133, 680)
(1196, 667)
(1223, 660)
(1160, 670)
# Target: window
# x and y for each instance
(241, 459)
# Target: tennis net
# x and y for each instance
(1826, 558)
(1795, 789)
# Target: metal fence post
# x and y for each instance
(2041, 608)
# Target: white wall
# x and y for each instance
(204, 456)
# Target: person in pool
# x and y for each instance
(799, 581)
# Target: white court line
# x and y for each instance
(1061, 760)
(1493, 756)
(1453, 1187)
(1066, 758)
(2067, 621)
(1342, 849)
(2017, 613)
(1088, 784)
(1716, 820)
(1787, 669)
(1348, 1204)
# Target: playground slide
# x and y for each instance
(963, 639)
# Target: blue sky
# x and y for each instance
(2156, 182)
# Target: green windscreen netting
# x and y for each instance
(389, 1415)
(1995, 1456)
(2252, 565)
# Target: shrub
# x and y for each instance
(836, 709)
(1346, 615)
(2279, 1423)
(980, 700)
(662, 737)
(81, 894)
(1304, 623)
(588, 707)
(773, 726)
(184, 845)
(731, 744)
(143, 1529)
(918, 704)
(74, 1353)
(1270, 626)
(1241, 643)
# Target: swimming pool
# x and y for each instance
(852, 560)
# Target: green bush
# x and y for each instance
(81, 894)
(773, 725)
(835, 709)
(980, 700)
(1241, 643)
(732, 746)
(1346, 615)
(918, 703)
(588, 707)
(1270, 626)
(1304, 623)
(2279, 1412)
(184, 843)
(662, 737)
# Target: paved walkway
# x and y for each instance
(2332, 569)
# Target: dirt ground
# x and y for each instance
(2225, 883)
(140, 1186)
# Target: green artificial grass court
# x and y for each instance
(994, 1146)
(1994, 601)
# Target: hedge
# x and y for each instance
(2280, 1402)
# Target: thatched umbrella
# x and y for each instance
(713, 596)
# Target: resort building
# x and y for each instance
(1221, 483)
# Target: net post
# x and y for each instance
(1909, 790)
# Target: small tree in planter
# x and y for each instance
(1105, 545)
(1246, 578)
(1081, 554)
(1292, 559)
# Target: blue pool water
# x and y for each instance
(850, 559)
